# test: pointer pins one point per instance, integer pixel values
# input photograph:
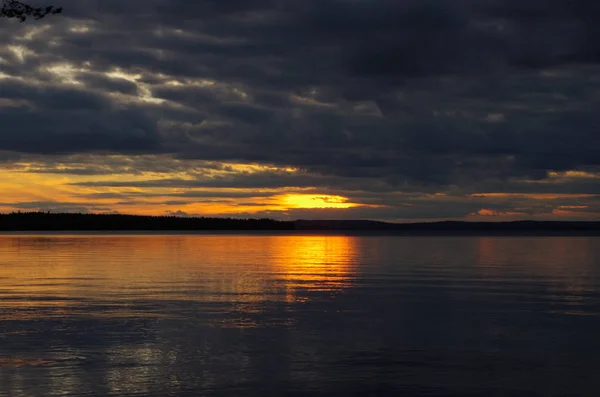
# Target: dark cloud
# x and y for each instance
(91, 164)
(191, 194)
(177, 213)
(53, 98)
(9, 157)
(374, 96)
(103, 83)
(55, 206)
(247, 181)
(75, 131)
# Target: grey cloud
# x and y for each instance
(95, 164)
(177, 213)
(191, 194)
(377, 187)
(51, 132)
(251, 204)
(182, 202)
(54, 97)
(108, 84)
(543, 185)
(55, 206)
(470, 95)
(167, 202)
(260, 180)
(9, 157)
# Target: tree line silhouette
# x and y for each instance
(48, 221)
(31, 221)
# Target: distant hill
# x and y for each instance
(454, 227)
(44, 221)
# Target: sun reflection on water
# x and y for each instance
(218, 281)
(258, 314)
(70, 274)
(314, 262)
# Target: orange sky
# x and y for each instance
(23, 185)
(32, 186)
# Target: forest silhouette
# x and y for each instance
(48, 221)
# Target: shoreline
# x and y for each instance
(349, 233)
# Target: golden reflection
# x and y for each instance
(105, 275)
(314, 261)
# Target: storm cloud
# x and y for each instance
(378, 97)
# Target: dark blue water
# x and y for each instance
(234, 315)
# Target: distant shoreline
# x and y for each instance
(102, 224)
(342, 233)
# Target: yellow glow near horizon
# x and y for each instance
(22, 184)
(158, 185)
(315, 201)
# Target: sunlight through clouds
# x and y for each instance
(315, 201)
(285, 112)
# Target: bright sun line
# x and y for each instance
(315, 201)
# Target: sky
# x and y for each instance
(397, 110)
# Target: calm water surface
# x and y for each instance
(256, 315)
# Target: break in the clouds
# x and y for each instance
(380, 104)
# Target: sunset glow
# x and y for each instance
(162, 127)
(315, 201)
(122, 185)
(316, 197)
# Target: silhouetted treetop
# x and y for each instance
(47, 221)
(21, 11)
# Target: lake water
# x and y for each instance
(292, 315)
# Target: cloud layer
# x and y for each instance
(358, 98)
